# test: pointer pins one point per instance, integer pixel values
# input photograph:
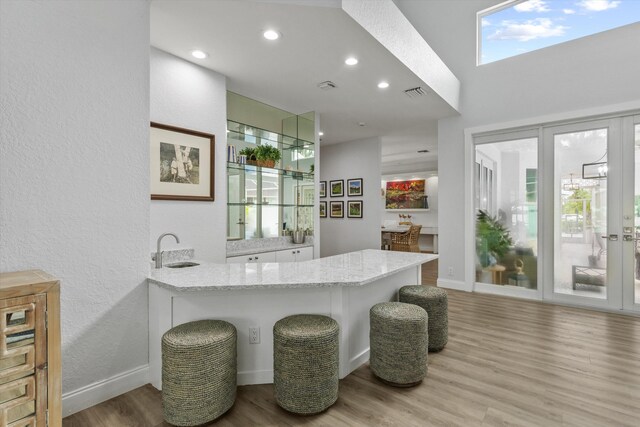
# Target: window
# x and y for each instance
(517, 27)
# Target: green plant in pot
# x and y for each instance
(493, 239)
(267, 155)
(250, 153)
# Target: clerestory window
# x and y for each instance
(520, 26)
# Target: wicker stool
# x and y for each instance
(434, 301)
(305, 363)
(398, 343)
(198, 371)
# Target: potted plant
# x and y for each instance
(493, 239)
(250, 153)
(267, 155)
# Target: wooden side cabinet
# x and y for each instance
(30, 360)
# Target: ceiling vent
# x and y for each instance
(415, 92)
(327, 85)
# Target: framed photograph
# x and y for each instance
(354, 187)
(182, 163)
(323, 209)
(337, 209)
(337, 188)
(354, 209)
(323, 188)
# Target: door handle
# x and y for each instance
(630, 238)
(613, 237)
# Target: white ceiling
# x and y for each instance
(314, 44)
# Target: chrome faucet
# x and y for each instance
(158, 252)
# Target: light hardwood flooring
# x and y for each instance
(508, 362)
(430, 273)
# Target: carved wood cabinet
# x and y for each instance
(30, 361)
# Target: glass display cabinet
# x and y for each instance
(269, 201)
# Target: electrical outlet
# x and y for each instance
(450, 272)
(254, 335)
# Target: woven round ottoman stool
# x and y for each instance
(434, 301)
(305, 363)
(398, 343)
(199, 371)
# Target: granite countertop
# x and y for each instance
(279, 246)
(352, 269)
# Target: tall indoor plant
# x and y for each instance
(493, 239)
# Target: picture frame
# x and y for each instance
(337, 209)
(323, 209)
(354, 187)
(182, 163)
(404, 195)
(354, 209)
(323, 188)
(336, 188)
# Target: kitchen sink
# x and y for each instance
(182, 264)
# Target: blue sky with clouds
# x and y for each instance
(535, 24)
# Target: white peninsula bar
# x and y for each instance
(343, 287)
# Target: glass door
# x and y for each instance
(631, 208)
(586, 218)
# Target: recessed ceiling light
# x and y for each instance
(271, 35)
(383, 85)
(199, 54)
(321, 133)
(351, 61)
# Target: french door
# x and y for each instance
(592, 213)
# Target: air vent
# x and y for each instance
(415, 92)
(327, 85)
(423, 151)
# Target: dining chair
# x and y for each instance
(406, 242)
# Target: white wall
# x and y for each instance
(74, 199)
(591, 72)
(186, 95)
(355, 159)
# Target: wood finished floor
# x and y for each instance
(430, 272)
(508, 362)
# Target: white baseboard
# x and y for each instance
(255, 377)
(359, 360)
(508, 291)
(453, 284)
(98, 392)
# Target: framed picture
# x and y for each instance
(354, 187)
(337, 209)
(323, 209)
(337, 188)
(354, 209)
(182, 163)
(323, 188)
(405, 194)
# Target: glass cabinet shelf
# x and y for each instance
(291, 174)
(282, 205)
(255, 135)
